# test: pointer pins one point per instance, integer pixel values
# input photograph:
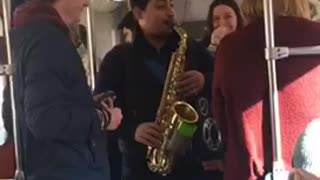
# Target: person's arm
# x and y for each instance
(206, 66)
(217, 93)
(111, 76)
(111, 72)
(52, 109)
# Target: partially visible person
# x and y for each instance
(307, 150)
(223, 18)
(78, 33)
(127, 28)
(62, 125)
(240, 90)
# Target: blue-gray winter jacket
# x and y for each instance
(60, 128)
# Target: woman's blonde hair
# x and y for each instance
(252, 9)
(315, 9)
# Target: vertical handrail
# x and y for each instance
(129, 5)
(91, 48)
(273, 89)
(19, 174)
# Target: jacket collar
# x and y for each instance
(31, 12)
(143, 46)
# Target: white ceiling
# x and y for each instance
(192, 10)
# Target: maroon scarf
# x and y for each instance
(30, 12)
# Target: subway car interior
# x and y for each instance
(104, 25)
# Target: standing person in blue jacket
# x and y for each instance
(63, 127)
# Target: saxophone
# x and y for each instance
(178, 118)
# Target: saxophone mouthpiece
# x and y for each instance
(171, 24)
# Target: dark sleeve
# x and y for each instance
(205, 65)
(52, 108)
(111, 71)
(206, 41)
(217, 91)
(111, 76)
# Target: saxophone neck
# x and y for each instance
(183, 36)
(180, 31)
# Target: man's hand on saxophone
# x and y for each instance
(190, 83)
(149, 134)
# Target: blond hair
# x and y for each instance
(252, 9)
(315, 9)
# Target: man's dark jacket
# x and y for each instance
(136, 73)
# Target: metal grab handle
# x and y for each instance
(310, 50)
(283, 52)
(19, 174)
(278, 164)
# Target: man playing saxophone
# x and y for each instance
(137, 71)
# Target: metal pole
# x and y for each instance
(310, 50)
(19, 174)
(273, 89)
(129, 5)
(91, 52)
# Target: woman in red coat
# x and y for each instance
(240, 92)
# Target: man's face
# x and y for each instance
(72, 9)
(157, 18)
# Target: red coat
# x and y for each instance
(240, 94)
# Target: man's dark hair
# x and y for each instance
(128, 22)
(142, 4)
